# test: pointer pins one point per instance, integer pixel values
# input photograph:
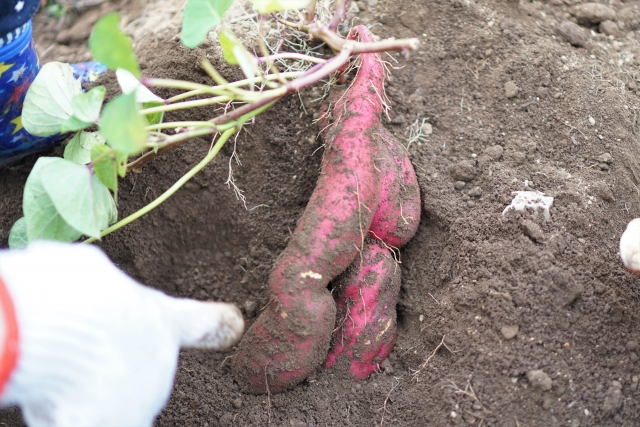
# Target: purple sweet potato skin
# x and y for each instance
(366, 321)
(398, 215)
(291, 337)
(366, 293)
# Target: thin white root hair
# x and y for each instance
(384, 405)
(415, 133)
(416, 374)
(230, 182)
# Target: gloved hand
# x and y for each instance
(95, 347)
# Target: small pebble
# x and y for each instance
(226, 419)
(192, 186)
(613, 399)
(539, 380)
(604, 158)
(509, 331)
(593, 13)
(533, 230)
(237, 403)
(459, 185)
(495, 152)
(510, 89)
(463, 171)
(519, 157)
(475, 192)
(609, 28)
(250, 308)
(572, 33)
(427, 129)
(542, 92)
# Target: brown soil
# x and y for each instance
(470, 275)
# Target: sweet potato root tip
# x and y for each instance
(366, 321)
(285, 345)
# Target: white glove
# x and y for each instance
(630, 247)
(95, 347)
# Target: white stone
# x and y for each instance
(530, 199)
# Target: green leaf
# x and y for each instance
(43, 219)
(236, 54)
(86, 109)
(105, 205)
(130, 83)
(48, 103)
(111, 46)
(200, 16)
(73, 125)
(18, 235)
(123, 126)
(86, 106)
(106, 168)
(154, 118)
(78, 150)
(228, 41)
(269, 6)
(112, 210)
(247, 62)
(78, 195)
(121, 163)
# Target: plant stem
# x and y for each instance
(337, 43)
(218, 79)
(175, 187)
(185, 105)
(301, 82)
(239, 83)
(176, 84)
(292, 55)
(171, 143)
(338, 15)
(171, 125)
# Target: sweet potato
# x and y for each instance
(398, 215)
(366, 322)
(291, 337)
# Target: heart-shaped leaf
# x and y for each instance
(78, 195)
(78, 150)
(200, 16)
(48, 103)
(106, 168)
(18, 235)
(42, 218)
(111, 47)
(123, 126)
